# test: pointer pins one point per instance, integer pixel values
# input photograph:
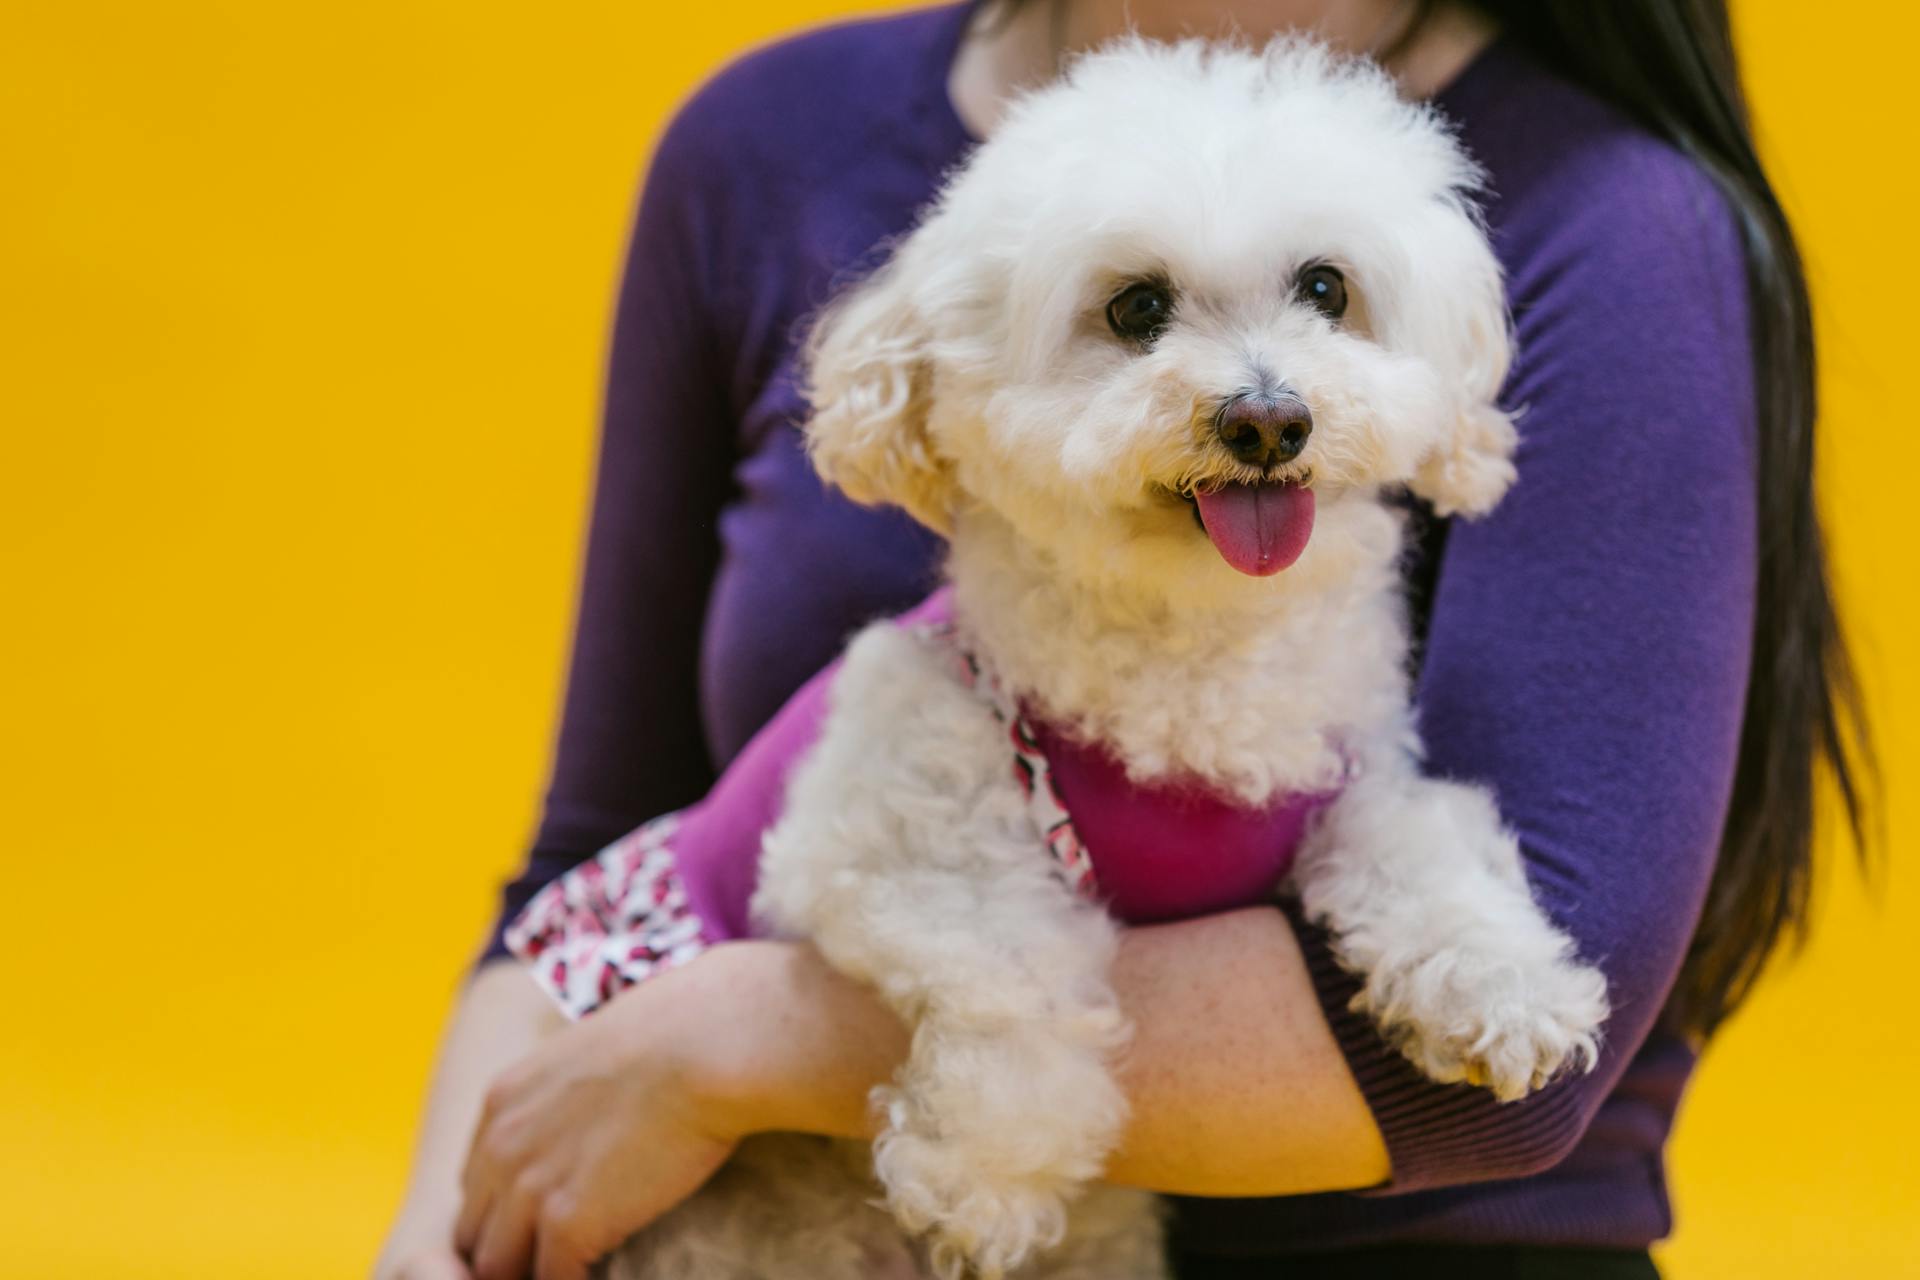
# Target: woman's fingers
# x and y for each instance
(528, 1225)
(492, 1162)
(476, 1199)
(562, 1255)
(504, 1245)
(511, 1215)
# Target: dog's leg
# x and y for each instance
(907, 856)
(1424, 893)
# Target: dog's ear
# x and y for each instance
(1461, 325)
(868, 378)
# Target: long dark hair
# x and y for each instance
(1670, 64)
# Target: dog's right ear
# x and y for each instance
(868, 377)
(1459, 322)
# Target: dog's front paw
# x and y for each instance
(974, 1226)
(1485, 1018)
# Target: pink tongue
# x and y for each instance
(1258, 528)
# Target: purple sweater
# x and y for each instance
(1585, 649)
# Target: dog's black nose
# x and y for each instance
(1265, 430)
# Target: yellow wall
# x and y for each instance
(301, 316)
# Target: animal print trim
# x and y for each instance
(613, 921)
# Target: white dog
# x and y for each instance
(1174, 330)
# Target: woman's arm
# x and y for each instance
(1236, 1084)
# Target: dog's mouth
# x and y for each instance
(1259, 528)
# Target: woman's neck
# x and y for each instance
(1425, 45)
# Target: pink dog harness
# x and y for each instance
(667, 891)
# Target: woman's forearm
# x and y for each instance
(1236, 1084)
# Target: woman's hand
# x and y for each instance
(607, 1125)
(614, 1120)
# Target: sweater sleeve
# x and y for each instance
(630, 744)
(1587, 654)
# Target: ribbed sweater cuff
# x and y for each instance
(1436, 1135)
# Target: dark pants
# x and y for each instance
(1430, 1262)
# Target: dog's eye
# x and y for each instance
(1324, 289)
(1140, 311)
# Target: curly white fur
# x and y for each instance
(974, 381)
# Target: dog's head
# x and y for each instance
(1186, 281)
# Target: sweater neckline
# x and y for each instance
(954, 139)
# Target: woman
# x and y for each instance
(1637, 651)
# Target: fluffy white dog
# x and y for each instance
(1151, 361)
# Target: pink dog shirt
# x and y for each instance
(662, 894)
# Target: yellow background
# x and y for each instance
(302, 312)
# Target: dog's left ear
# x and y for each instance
(1461, 325)
(868, 377)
